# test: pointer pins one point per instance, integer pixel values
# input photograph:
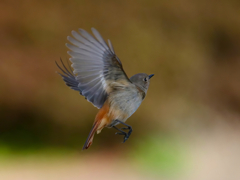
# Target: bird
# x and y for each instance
(97, 73)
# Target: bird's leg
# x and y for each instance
(126, 135)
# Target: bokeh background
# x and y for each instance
(188, 125)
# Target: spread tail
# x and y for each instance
(89, 140)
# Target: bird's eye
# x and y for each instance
(145, 79)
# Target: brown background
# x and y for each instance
(188, 122)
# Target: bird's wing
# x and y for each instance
(97, 69)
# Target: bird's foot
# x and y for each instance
(127, 135)
(122, 132)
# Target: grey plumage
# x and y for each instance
(95, 66)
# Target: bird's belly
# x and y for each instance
(123, 105)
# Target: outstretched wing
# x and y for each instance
(97, 70)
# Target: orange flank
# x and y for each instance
(101, 120)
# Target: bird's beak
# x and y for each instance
(151, 75)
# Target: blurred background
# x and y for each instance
(188, 126)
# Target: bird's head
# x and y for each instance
(142, 80)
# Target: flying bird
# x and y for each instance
(99, 76)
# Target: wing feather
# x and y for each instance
(100, 39)
(111, 46)
(93, 40)
(95, 66)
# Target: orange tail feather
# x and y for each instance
(89, 140)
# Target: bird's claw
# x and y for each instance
(121, 133)
(125, 138)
